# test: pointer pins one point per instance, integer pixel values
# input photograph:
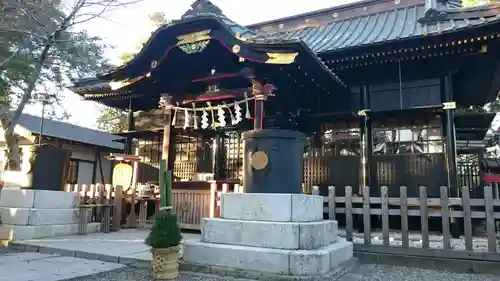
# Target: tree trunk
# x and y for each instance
(13, 155)
(12, 142)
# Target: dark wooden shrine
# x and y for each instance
(381, 88)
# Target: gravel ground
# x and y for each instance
(480, 244)
(366, 272)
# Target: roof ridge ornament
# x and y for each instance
(203, 8)
(435, 11)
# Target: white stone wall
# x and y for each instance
(38, 214)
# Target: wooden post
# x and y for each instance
(331, 202)
(366, 216)
(143, 211)
(315, 190)
(213, 194)
(106, 216)
(490, 219)
(132, 219)
(348, 212)
(445, 218)
(424, 217)
(385, 215)
(403, 197)
(168, 190)
(165, 178)
(117, 208)
(467, 219)
(260, 92)
(83, 220)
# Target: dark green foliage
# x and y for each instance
(112, 120)
(166, 231)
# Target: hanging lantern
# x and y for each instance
(237, 114)
(186, 119)
(204, 119)
(222, 117)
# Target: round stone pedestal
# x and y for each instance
(273, 161)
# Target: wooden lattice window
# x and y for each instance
(415, 136)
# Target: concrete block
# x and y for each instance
(314, 235)
(306, 208)
(47, 199)
(28, 232)
(29, 216)
(309, 262)
(279, 235)
(17, 198)
(6, 233)
(340, 252)
(319, 261)
(15, 216)
(53, 216)
(238, 257)
(272, 207)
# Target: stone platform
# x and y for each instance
(30, 214)
(270, 237)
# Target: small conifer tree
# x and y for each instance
(165, 232)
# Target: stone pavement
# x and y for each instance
(125, 246)
(45, 267)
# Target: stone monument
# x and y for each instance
(278, 235)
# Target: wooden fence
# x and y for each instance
(424, 243)
(112, 207)
(98, 203)
(193, 205)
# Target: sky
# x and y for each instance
(127, 27)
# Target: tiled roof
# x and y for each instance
(67, 131)
(405, 22)
(383, 27)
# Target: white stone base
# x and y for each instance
(31, 214)
(279, 234)
(28, 232)
(38, 199)
(277, 261)
(272, 207)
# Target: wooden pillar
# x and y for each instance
(449, 108)
(366, 138)
(260, 92)
(130, 127)
(218, 156)
(167, 132)
(132, 219)
(166, 164)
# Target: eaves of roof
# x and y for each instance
(389, 26)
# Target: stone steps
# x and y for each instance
(289, 262)
(28, 232)
(278, 234)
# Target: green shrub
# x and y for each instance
(165, 232)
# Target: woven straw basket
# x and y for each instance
(166, 263)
